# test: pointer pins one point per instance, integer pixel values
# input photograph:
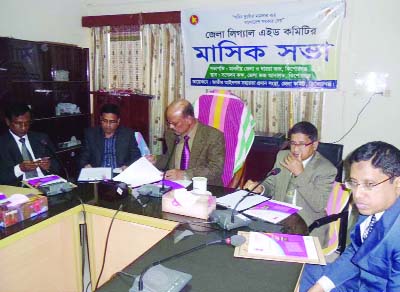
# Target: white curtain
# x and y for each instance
(99, 57)
(162, 74)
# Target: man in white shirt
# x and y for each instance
(24, 154)
(372, 260)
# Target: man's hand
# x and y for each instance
(293, 164)
(151, 158)
(249, 185)
(174, 174)
(88, 166)
(316, 288)
(28, 165)
(44, 163)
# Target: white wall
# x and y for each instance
(44, 20)
(370, 42)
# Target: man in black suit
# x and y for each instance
(109, 145)
(24, 154)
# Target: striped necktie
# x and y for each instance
(26, 155)
(369, 227)
(185, 153)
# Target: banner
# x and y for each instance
(281, 46)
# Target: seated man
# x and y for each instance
(110, 145)
(200, 149)
(305, 179)
(372, 260)
(24, 154)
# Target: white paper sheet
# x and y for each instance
(139, 173)
(231, 200)
(94, 174)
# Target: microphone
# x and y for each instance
(54, 154)
(235, 240)
(226, 218)
(273, 172)
(157, 191)
(163, 189)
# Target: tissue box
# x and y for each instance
(202, 208)
(36, 205)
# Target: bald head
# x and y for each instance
(180, 116)
(180, 107)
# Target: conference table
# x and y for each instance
(141, 234)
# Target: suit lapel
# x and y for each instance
(13, 148)
(382, 227)
(195, 152)
(100, 141)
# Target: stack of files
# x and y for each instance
(272, 211)
(93, 174)
(231, 200)
(258, 206)
(281, 247)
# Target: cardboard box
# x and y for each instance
(11, 214)
(200, 209)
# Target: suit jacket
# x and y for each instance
(207, 154)
(10, 155)
(126, 147)
(375, 264)
(313, 186)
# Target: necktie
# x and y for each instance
(185, 153)
(26, 155)
(369, 228)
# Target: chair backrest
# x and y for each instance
(334, 153)
(338, 202)
(142, 145)
(228, 113)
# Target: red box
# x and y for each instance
(10, 215)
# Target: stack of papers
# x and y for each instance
(139, 173)
(94, 174)
(45, 180)
(230, 201)
(272, 211)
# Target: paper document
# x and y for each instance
(139, 173)
(45, 180)
(231, 200)
(272, 211)
(281, 247)
(94, 174)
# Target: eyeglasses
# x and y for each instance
(301, 146)
(111, 122)
(367, 186)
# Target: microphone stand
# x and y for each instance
(54, 154)
(235, 240)
(274, 171)
(163, 189)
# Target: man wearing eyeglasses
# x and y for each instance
(371, 262)
(198, 149)
(305, 179)
(109, 145)
(24, 154)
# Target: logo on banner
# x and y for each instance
(194, 19)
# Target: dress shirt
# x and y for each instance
(17, 170)
(110, 154)
(326, 283)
